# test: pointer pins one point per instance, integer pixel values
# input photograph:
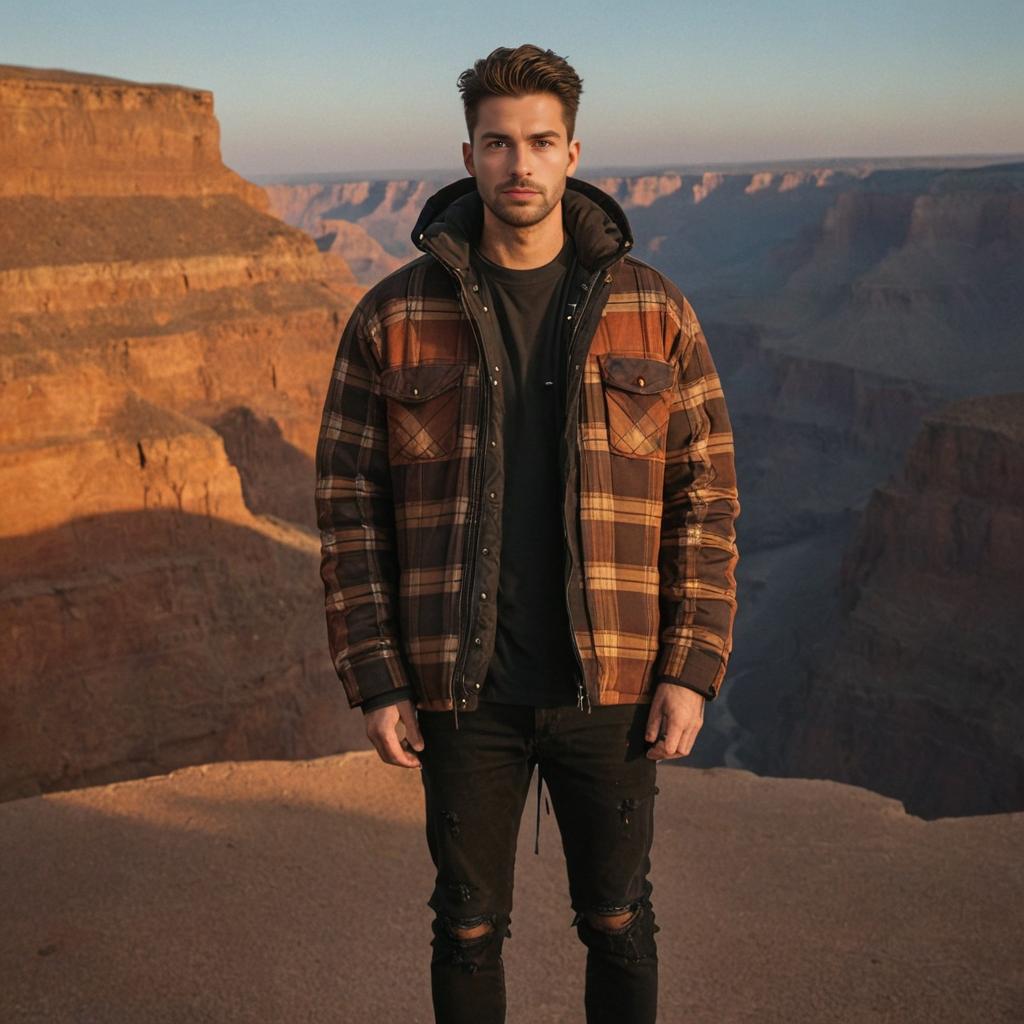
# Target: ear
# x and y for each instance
(467, 158)
(574, 157)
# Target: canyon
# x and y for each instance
(167, 330)
(849, 309)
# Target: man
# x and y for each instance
(527, 503)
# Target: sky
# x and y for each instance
(344, 87)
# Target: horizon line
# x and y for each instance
(605, 170)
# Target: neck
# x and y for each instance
(522, 248)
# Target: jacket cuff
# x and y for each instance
(706, 693)
(376, 673)
(699, 671)
(383, 700)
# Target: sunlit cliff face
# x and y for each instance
(520, 157)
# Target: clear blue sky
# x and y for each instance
(342, 86)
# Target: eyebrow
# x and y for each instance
(535, 135)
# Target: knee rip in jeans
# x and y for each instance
(606, 928)
(464, 941)
(613, 920)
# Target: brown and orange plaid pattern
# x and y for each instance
(409, 474)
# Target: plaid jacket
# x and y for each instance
(410, 474)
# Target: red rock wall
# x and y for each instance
(66, 134)
(165, 346)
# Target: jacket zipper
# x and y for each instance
(475, 507)
(583, 697)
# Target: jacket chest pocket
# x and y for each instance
(423, 404)
(637, 396)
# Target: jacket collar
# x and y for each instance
(450, 222)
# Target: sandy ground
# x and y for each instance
(270, 891)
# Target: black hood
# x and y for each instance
(451, 220)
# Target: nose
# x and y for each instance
(520, 157)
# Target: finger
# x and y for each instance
(686, 742)
(394, 754)
(654, 718)
(408, 748)
(674, 731)
(657, 752)
(412, 728)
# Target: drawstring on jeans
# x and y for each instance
(547, 806)
(536, 841)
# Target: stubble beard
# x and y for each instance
(518, 213)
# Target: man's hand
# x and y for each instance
(382, 730)
(675, 718)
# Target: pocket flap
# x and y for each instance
(419, 382)
(641, 374)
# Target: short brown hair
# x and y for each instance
(516, 72)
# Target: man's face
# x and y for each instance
(520, 156)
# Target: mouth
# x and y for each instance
(517, 192)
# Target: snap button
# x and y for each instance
(483, 595)
(462, 702)
(485, 551)
(476, 686)
(640, 381)
(485, 309)
(476, 640)
(415, 391)
(494, 444)
(494, 494)
(476, 287)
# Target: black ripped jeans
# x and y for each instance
(602, 786)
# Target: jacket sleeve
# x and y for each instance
(698, 553)
(355, 516)
(383, 700)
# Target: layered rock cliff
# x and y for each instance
(163, 341)
(920, 695)
(65, 133)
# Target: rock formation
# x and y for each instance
(381, 212)
(921, 695)
(366, 257)
(165, 344)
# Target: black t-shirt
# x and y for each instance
(534, 662)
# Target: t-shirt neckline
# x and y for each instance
(532, 275)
